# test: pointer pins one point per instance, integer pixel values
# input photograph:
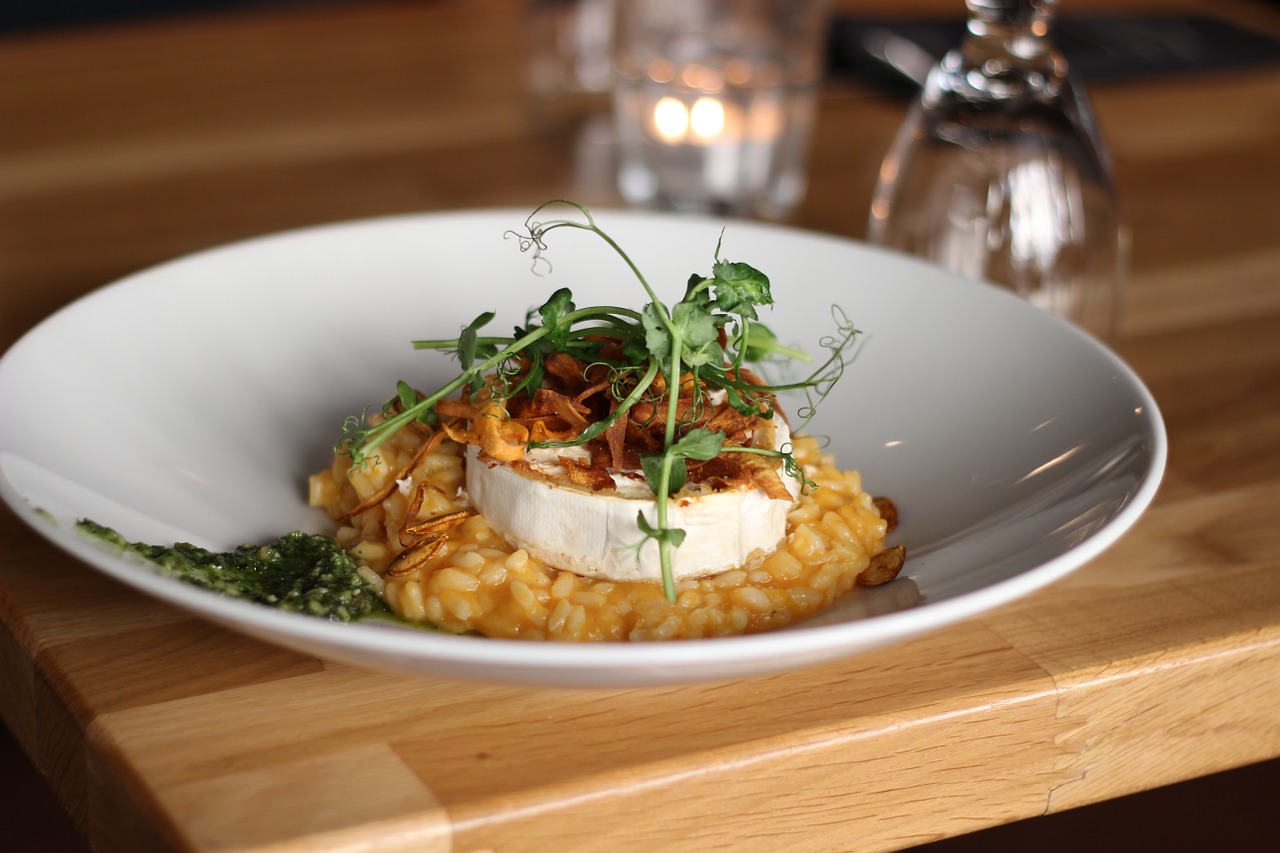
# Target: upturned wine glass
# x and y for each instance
(998, 172)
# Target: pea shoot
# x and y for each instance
(656, 357)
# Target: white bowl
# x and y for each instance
(189, 403)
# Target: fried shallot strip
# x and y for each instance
(884, 566)
(429, 446)
(888, 511)
(411, 528)
(495, 433)
(440, 523)
(416, 555)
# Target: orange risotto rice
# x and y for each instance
(476, 582)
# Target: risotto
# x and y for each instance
(472, 580)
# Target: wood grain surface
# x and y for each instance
(122, 146)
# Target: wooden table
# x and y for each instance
(1160, 661)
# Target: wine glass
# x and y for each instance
(998, 172)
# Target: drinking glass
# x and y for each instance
(998, 172)
(570, 60)
(714, 102)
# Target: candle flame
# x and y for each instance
(670, 119)
(707, 118)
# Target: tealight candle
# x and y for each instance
(714, 102)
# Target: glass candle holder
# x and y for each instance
(714, 102)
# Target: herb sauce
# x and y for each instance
(300, 572)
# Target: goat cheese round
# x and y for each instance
(595, 534)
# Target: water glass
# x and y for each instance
(714, 102)
(570, 60)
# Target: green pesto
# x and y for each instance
(300, 572)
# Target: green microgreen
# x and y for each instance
(710, 333)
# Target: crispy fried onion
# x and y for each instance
(423, 539)
(575, 395)
(888, 511)
(429, 446)
(415, 556)
(884, 566)
(491, 428)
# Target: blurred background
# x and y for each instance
(264, 106)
